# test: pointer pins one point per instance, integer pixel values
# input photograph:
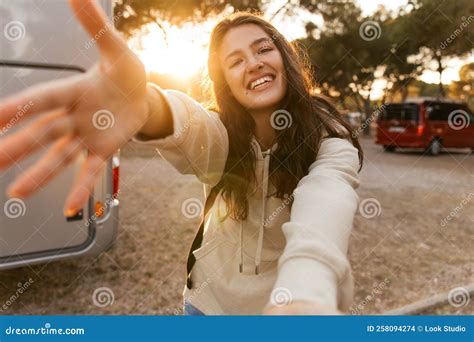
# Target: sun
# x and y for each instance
(182, 54)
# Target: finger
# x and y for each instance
(40, 133)
(58, 157)
(95, 21)
(37, 99)
(83, 186)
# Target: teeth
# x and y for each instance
(260, 81)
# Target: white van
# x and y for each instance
(39, 41)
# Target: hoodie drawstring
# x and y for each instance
(241, 263)
(258, 253)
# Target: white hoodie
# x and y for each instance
(275, 256)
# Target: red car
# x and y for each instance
(426, 123)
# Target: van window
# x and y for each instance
(440, 111)
(400, 112)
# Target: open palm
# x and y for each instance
(98, 111)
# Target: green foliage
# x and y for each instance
(405, 44)
(348, 51)
(464, 88)
(440, 29)
(133, 14)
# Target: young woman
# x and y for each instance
(279, 164)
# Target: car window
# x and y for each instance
(400, 112)
(438, 111)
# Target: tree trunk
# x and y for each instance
(386, 90)
(404, 92)
(367, 111)
(441, 91)
(356, 98)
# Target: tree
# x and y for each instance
(347, 53)
(441, 29)
(400, 70)
(464, 88)
(131, 15)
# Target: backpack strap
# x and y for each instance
(197, 242)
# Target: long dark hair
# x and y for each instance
(298, 144)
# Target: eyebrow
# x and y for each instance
(255, 42)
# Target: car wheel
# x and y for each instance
(389, 148)
(435, 147)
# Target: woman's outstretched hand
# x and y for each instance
(98, 111)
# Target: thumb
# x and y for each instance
(99, 27)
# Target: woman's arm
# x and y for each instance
(159, 123)
(313, 268)
(191, 138)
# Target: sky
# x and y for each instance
(370, 6)
(173, 56)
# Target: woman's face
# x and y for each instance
(253, 68)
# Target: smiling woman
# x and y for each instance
(270, 148)
(252, 165)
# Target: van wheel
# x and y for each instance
(435, 147)
(389, 148)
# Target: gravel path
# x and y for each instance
(401, 250)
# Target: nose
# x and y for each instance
(254, 65)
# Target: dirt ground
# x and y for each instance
(404, 247)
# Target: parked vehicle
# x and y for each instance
(40, 41)
(426, 123)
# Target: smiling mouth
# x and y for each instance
(261, 82)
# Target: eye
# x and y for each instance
(235, 63)
(265, 49)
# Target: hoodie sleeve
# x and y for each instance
(199, 143)
(313, 266)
